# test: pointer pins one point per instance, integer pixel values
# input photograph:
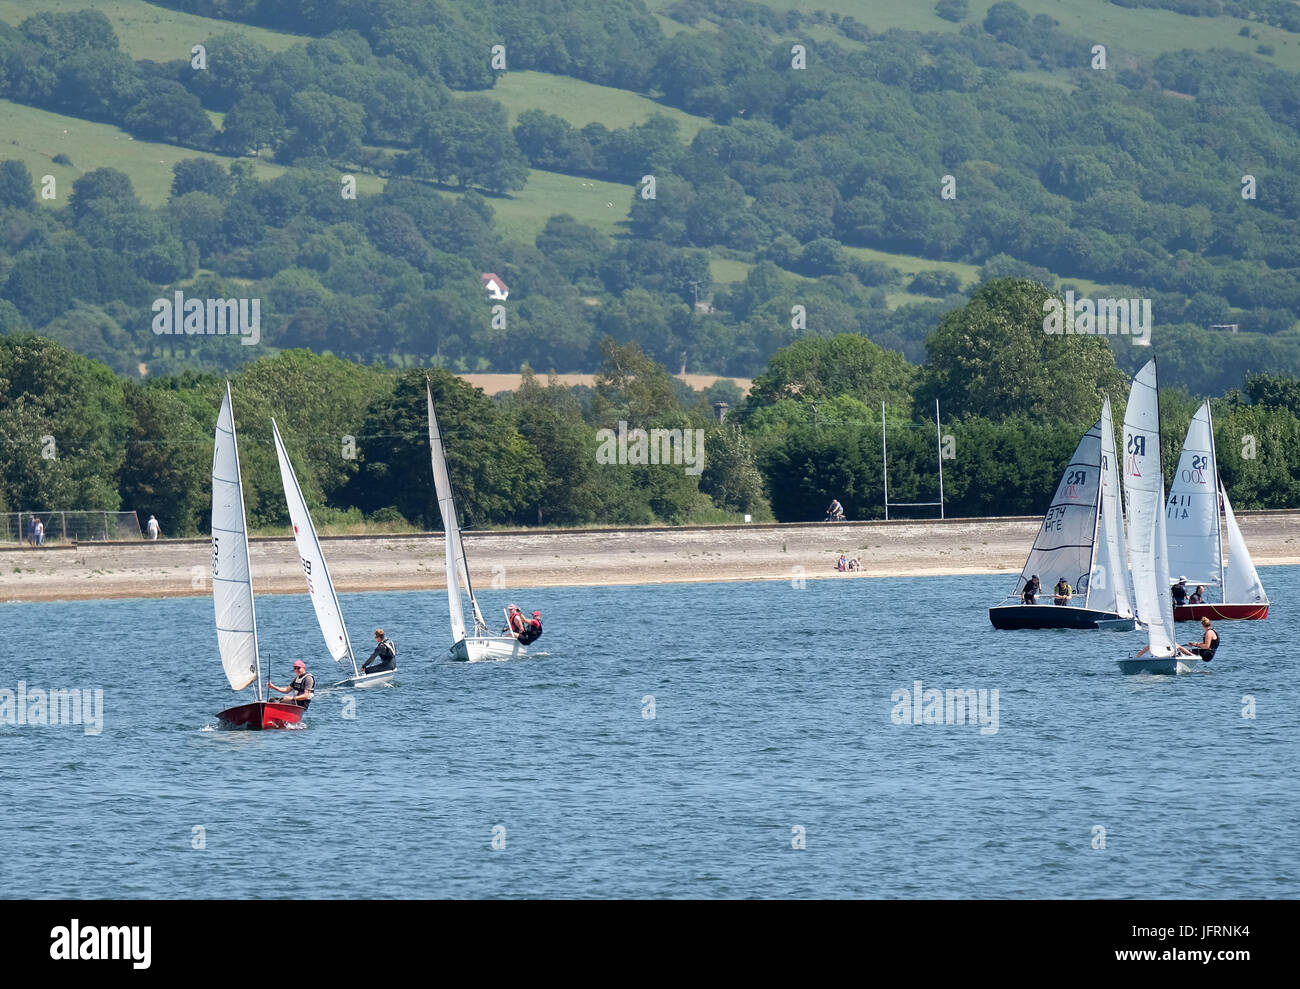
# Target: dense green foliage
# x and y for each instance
(1130, 176)
(77, 436)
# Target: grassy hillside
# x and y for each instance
(146, 31)
(1142, 30)
(36, 136)
(582, 103)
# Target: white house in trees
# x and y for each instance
(495, 287)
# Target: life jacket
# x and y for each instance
(306, 683)
(392, 648)
(532, 631)
(1214, 646)
(517, 622)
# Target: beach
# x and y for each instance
(571, 558)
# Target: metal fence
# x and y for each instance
(62, 527)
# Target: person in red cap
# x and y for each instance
(532, 629)
(301, 689)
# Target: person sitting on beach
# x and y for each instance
(835, 513)
(302, 687)
(1199, 596)
(855, 563)
(1032, 589)
(842, 563)
(1209, 643)
(532, 629)
(385, 652)
(1179, 592)
(1063, 592)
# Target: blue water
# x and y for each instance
(772, 712)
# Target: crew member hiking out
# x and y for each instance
(532, 629)
(384, 657)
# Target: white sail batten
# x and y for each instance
(1241, 583)
(1145, 488)
(232, 582)
(1192, 512)
(457, 566)
(329, 614)
(1065, 541)
(1108, 588)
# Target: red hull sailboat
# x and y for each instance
(232, 587)
(262, 714)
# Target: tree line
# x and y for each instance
(1013, 403)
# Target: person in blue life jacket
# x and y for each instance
(302, 687)
(384, 655)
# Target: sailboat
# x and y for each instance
(480, 644)
(329, 614)
(1082, 540)
(232, 586)
(1196, 538)
(1147, 547)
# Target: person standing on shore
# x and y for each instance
(31, 529)
(40, 533)
(152, 528)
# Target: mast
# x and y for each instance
(290, 479)
(1096, 517)
(1218, 502)
(248, 563)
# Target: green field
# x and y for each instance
(36, 136)
(582, 103)
(910, 264)
(146, 31)
(1142, 30)
(521, 215)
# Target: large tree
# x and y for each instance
(994, 358)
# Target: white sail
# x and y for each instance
(1145, 487)
(1064, 545)
(319, 585)
(457, 567)
(1108, 584)
(1241, 583)
(1192, 512)
(232, 583)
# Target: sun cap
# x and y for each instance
(537, 614)
(297, 663)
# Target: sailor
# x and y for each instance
(1180, 592)
(516, 619)
(1209, 643)
(1063, 592)
(1032, 589)
(532, 629)
(301, 689)
(385, 652)
(1199, 596)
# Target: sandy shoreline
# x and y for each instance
(178, 568)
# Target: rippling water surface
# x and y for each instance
(771, 727)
